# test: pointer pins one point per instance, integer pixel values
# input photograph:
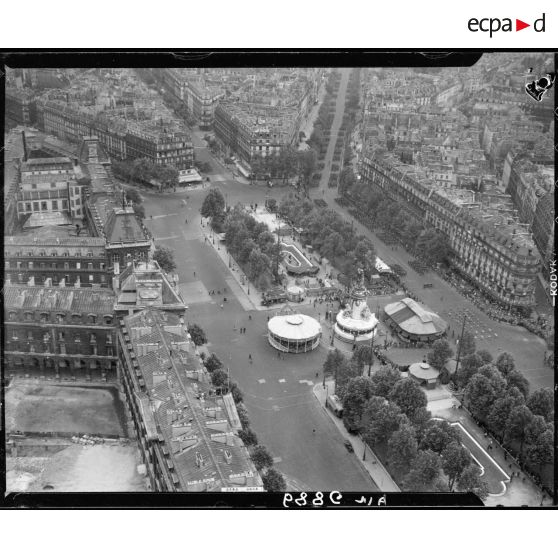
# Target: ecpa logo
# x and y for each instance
(494, 24)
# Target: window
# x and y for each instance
(89, 265)
(28, 207)
(43, 318)
(13, 315)
(61, 336)
(30, 265)
(29, 336)
(78, 265)
(91, 279)
(33, 186)
(55, 205)
(77, 338)
(64, 204)
(66, 265)
(35, 206)
(93, 318)
(44, 206)
(28, 316)
(60, 318)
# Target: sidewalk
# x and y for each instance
(518, 492)
(371, 463)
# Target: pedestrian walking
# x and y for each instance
(249, 316)
(194, 273)
(250, 357)
(313, 431)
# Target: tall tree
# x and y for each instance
(500, 411)
(357, 393)
(479, 395)
(485, 355)
(248, 437)
(470, 481)
(384, 379)
(425, 470)
(261, 458)
(541, 451)
(197, 334)
(402, 448)
(469, 367)
(505, 363)
(438, 435)
(213, 362)
(347, 370)
(213, 204)
(273, 481)
(517, 424)
(408, 396)
(454, 460)
(420, 420)
(541, 402)
(441, 352)
(165, 258)
(517, 379)
(380, 419)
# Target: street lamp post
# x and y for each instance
(460, 344)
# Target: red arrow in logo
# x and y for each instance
(519, 25)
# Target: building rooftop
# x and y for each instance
(182, 411)
(66, 299)
(47, 219)
(410, 316)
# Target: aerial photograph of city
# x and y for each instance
(281, 280)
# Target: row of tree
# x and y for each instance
(334, 238)
(497, 395)
(393, 217)
(390, 413)
(252, 246)
(273, 480)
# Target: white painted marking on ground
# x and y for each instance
(276, 408)
(282, 381)
(261, 381)
(277, 459)
(168, 237)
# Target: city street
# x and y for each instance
(527, 349)
(284, 413)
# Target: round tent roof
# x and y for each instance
(296, 327)
(423, 371)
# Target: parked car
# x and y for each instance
(349, 446)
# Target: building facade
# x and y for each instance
(48, 185)
(20, 107)
(489, 249)
(59, 332)
(122, 139)
(72, 260)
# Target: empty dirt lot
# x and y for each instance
(42, 407)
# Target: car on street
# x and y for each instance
(349, 446)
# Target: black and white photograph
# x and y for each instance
(319, 284)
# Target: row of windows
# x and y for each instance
(53, 254)
(62, 337)
(55, 265)
(43, 206)
(59, 317)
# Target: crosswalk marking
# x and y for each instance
(261, 381)
(282, 381)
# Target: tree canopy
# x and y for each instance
(261, 458)
(273, 481)
(439, 434)
(455, 458)
(197, 334)
(541, 402)
(165, 258)
(425, 470)
(402, 448)
(357, 393)
(408, 396)
(441, 352)
(380, 419)
(213, 204)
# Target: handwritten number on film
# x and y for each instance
(318, 500)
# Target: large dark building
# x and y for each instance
(52, 253)
(59, 332)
